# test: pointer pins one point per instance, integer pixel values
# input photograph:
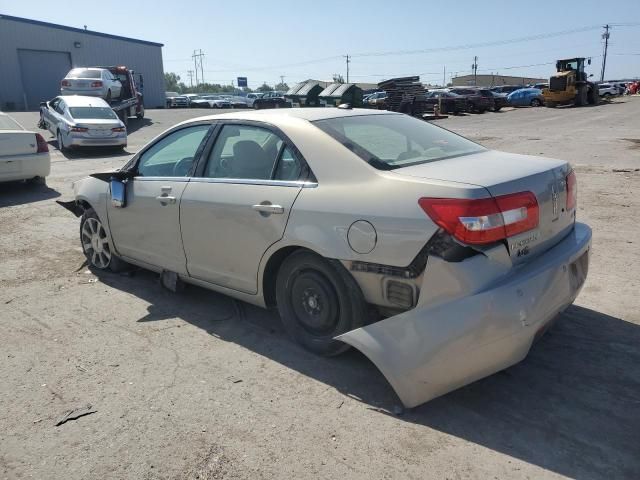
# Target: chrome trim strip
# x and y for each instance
(243, 181)
(162, 179)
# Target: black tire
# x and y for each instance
(318, 300)
(581, 96)
(594, 97)
(38, 181)
(108, 99)
(256, 106)
(497, 109)
(550, 104)
(535, 102)
(95, 248)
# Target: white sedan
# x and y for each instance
(92, 82)
(24, 155)
(82, 122)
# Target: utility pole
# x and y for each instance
(281, 79)
(197, 63)
(474, 67)
(444, 76)
(605, 35)
(348, 58)
(190, 75)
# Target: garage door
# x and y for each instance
(41, 74)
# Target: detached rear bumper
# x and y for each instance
(433, 349)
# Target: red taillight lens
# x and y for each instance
(572, 191)
(486, 220)
(78, 129)
(43, 146)
(96, 84)
(118, 129)
(65, 83)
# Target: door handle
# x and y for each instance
(166, 199)
(268, 208)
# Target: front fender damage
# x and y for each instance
(72, 206)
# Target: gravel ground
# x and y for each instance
(195, 385)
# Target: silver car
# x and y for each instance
(78, 121)
(92, 82)
(440, 260)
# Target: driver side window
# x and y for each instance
(173, 156)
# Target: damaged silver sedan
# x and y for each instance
(440, 260)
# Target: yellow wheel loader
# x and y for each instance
(570, 85)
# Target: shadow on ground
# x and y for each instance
(19, 193)
(570, 407)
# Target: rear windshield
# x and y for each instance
(8, 123)
(394, 141)
(84, 73)
(101, 113)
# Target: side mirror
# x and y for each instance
(118, 193)
(589, 61)
(43, 104)
(591, 75)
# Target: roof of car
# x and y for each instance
(82, 101)
(310, 114)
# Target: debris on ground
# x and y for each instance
(75, 414)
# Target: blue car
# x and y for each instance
(526, 97)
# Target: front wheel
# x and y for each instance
(256, 106)
(95, 244)
(318, 300)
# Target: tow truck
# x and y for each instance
(130, 103)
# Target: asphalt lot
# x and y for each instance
(195, 385)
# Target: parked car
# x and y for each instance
(540, 86)
(24, 155)
(449, 102)
(251, 97)
(506, 88)
(271, 100)
(328, 214)
(376, 99)
(608, 90)
(92, 82)
(175, 100)
(238, 102)
(476, 102)
(621, 86)
(526, 97)
(78, 121)
(500, 100)
(211, 101)
(191, 96)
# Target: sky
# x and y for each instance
(305, 39)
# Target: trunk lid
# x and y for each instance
(504, 173)
(17, 142)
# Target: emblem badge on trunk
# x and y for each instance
(554, 200)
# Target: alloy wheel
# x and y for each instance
(95, 243)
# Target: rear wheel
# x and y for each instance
(535, 103)
(581, 96)
(256, 106)
(550, 104)
(61, 145)
(95, 244)
(318, 300)
(108, 96)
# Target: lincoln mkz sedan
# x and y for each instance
(439, 259)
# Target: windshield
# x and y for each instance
(8, 123)
(393, 141)
(101, 113)
(84, 73)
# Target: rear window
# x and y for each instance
(393, 141)
(84, 73)
(101, 113)
(8, 123)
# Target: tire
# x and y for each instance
(108, 99)
(61, 146)
(38, 181)
(318, 300)
(95, 245)
(497, 109)
(535, 103)
(594, 97)
(581, 96)
(550, 104)
(256, 106)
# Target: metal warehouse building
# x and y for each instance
(35, 56)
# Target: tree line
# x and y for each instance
(173, 83)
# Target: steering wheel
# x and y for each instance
(182, 167)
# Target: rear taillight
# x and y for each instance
(96, 84)
(572, 191)
(118, 129)
(78, 129)
(65, 83)
(43, 146)
(485, 220)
